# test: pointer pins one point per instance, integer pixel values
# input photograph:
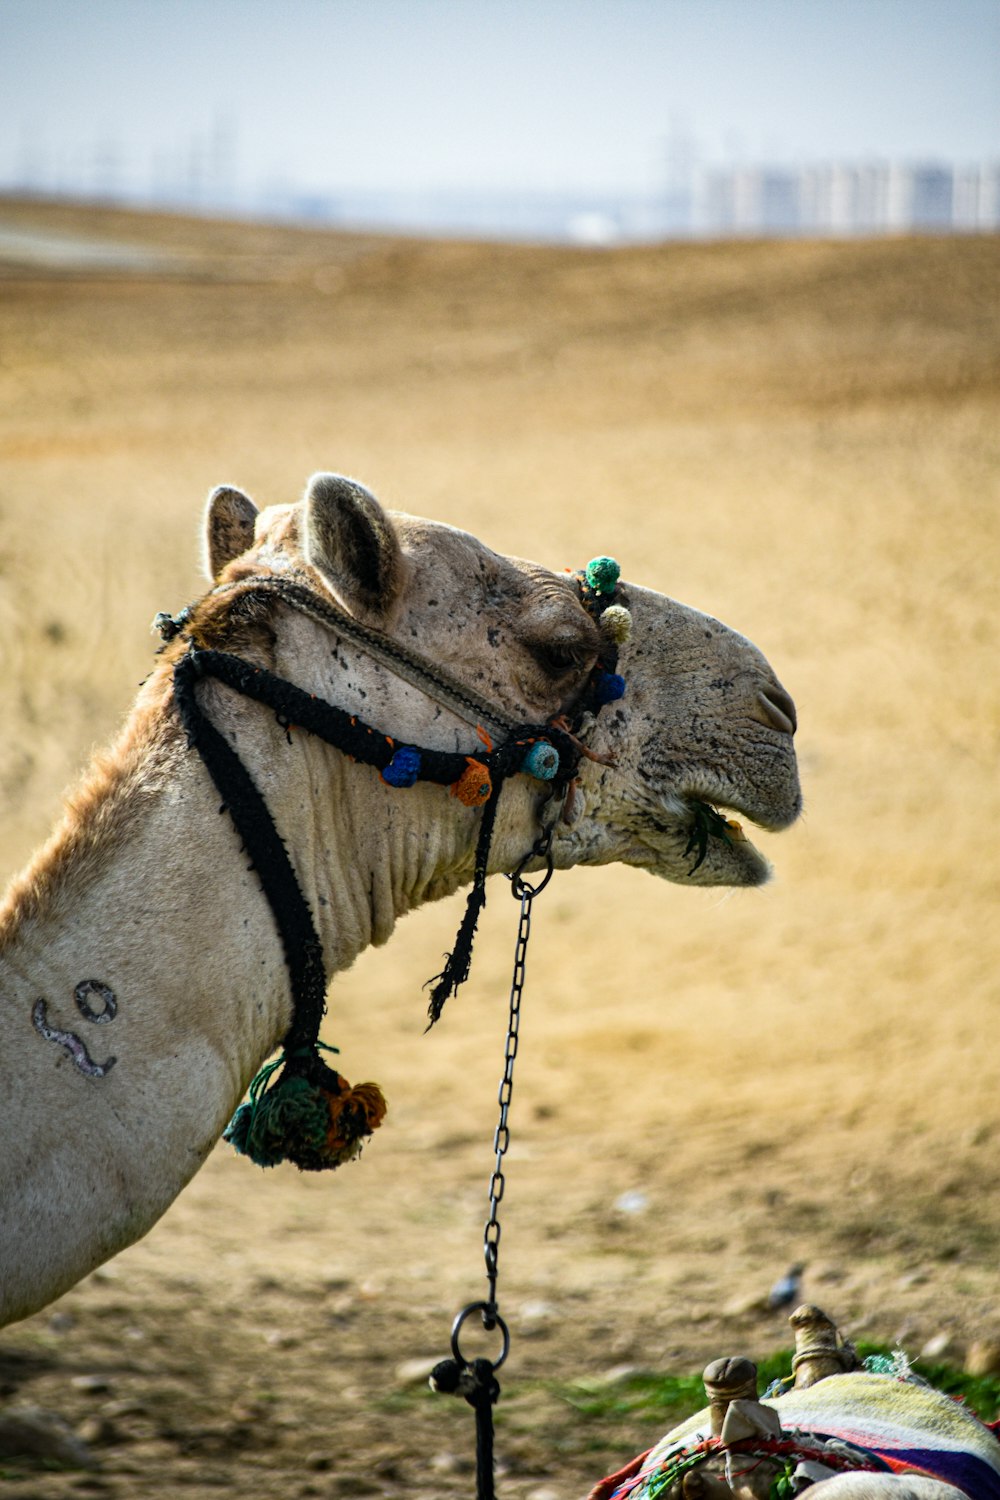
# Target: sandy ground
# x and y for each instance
(803, 439)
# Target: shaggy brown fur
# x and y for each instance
(120, 782)
(101, 811)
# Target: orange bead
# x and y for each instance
(474, 786)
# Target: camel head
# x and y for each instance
(704, 728)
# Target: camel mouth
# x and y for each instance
(698, 838)
(707, 823)
(717, 849)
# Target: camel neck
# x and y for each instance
(138, 993)
(143, 981)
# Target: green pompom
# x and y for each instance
(602, 574)
(301, 1111)
(291, 1121)
(287, 1123)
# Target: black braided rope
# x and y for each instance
(412, 667)
(268, 856)
(372, 747)
(459, 960)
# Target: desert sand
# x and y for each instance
(802, 439)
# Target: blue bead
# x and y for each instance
(541, 761)
(609, 688)
(404, 768)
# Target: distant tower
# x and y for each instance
(32, 170)
(933, 196)
(966, 215)
(899, 210)
(872, 206)
(988, 205)
(106, 170)
(780, 201)
(222, 162)
(197, 171)
(680, 159)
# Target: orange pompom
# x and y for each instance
(371, 1101)
(354, 1114)
(474, 786)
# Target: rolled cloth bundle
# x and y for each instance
(906, 1426)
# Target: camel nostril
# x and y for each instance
(779, 708)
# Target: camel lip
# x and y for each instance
(708, 824)
(717, 846)
(678, 850)
(693, 840)
(716, 841)
(769, 819)
(716, 813)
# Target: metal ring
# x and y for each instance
(520, 887)
(488, 1310)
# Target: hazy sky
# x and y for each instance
(538, 94)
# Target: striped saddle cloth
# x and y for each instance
(907, 1425)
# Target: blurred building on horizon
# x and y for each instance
(849, 198)
(696, 201)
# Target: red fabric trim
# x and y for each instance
(605, 1488)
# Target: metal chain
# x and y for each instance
(476, 1380)
(524, 891)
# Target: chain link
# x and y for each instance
(522, 890)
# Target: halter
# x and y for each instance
(309, 1114)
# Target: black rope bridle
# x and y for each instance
(369, 746)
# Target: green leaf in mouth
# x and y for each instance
(707, 823)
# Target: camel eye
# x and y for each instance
(558, 658)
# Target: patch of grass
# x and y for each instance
(981, 1393)
(672, 1398)
(669, 1397)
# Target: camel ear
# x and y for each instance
(349, 538)
(229, 519)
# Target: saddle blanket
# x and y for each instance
(908, 1425)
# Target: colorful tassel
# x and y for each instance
(354, 1114)
(616, 624)
(608, 688)
(300, 1120)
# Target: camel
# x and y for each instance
(834, 1428)
(143, 976)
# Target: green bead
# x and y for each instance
(602, 574)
